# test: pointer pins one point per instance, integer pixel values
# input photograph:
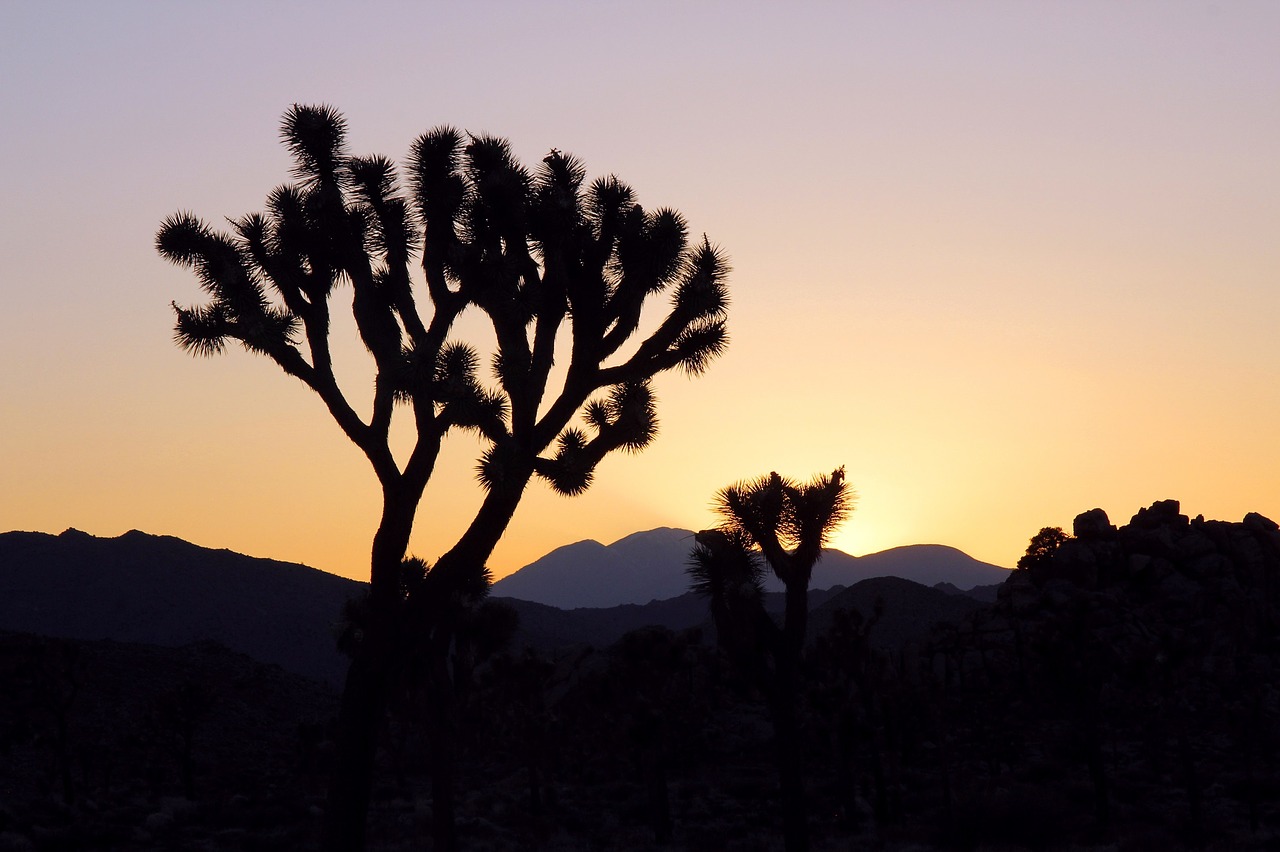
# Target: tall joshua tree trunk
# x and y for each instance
(442, 726)
(460, 567)
(368, 685)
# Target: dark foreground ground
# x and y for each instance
(200, 749)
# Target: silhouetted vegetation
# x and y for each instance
(1041, 549)
(1122, 693)
(785, 524)
(561, 270)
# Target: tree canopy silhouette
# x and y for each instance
(1041, 548)
(560, 268)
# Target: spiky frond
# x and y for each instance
(503, 467)
(756, 506)
(373, 178)
(413, 573)
(490, 158)
(415, 375)
(221, 267)
(650, 248)
(268, 330)
(817, 508)
(455, 370)
(724, 566)
(394, 233)
(255, 230)
(183, 238)
(597, 415)
(287, 207)
(607, 199)
(633, 415)
(700, 344)
(572, 469)
(468, 403)
(557, 189)
(201, 330)
(562, 172)
(434, 161)
(501, 186)
(483, 410)
(703, 291)
(316, 136)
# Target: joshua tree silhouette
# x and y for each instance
(557, 268)
(787, 524)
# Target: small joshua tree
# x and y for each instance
(562, 271)
(786, 524)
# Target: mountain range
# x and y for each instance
(650, 566)
(161, 590)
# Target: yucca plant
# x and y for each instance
(784, 524)
(562, 270)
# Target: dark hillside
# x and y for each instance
(165, 591)
(909, 610)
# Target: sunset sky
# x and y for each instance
(1005, 261)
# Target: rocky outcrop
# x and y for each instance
(1147, 654)
(1215, 584)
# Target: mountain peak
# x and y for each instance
(657, 534)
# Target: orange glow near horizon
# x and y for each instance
(1005, 264)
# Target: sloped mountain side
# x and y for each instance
(162, 590)
(926, 564)
(640, 568)
(650, 566)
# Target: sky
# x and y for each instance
(1003, 261)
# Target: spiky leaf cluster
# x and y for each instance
(725, 565)
(626, 419)
(789, 522)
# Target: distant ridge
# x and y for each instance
(637, 569)
(648, 566)
(161, 590)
